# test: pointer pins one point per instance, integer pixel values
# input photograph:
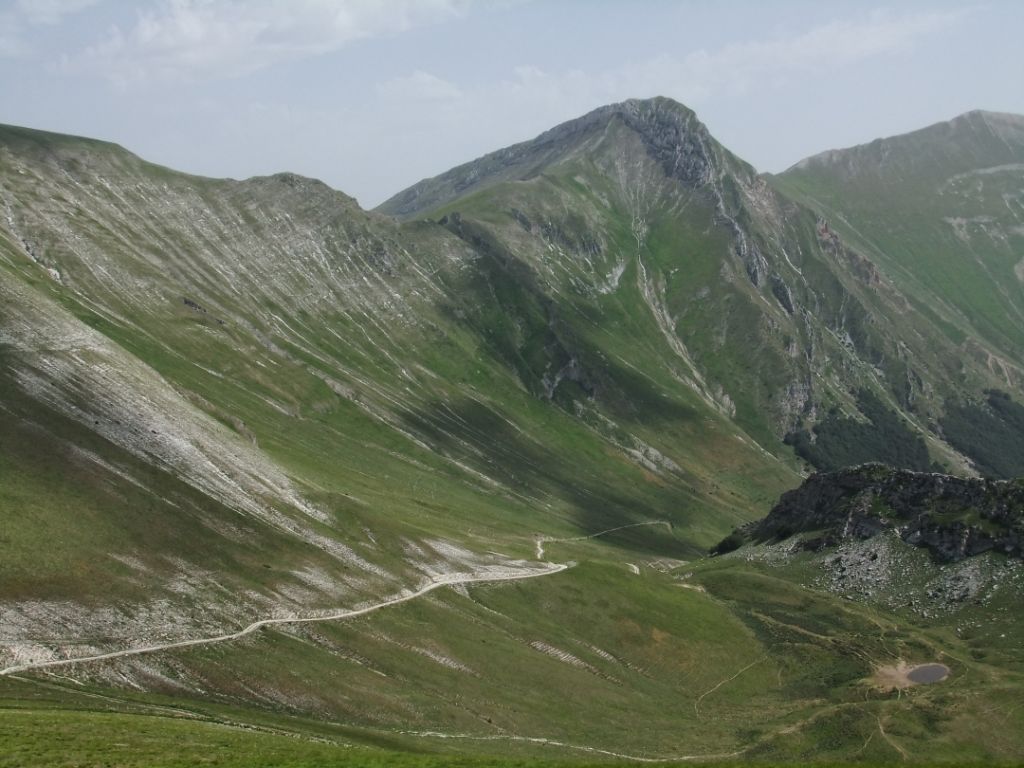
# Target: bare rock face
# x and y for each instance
(953, 517)
(673, 136)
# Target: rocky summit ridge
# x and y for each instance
(671, 131)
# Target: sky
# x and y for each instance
(373, 95)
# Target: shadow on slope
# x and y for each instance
(602, 489)
(523, 328)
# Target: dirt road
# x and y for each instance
(445, 581)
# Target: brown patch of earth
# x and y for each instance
(903, 675)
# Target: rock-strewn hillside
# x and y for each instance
(953, 517)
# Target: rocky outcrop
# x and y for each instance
(953, 517)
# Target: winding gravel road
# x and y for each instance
(445, 581)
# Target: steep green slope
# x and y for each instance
(249, 399)
(224, 402)
(941, 211)
(990, 432)
(636, 218)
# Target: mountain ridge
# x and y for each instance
(953, 126)
(939, 209)
(766, 225)
(677, 125)
(226, 405)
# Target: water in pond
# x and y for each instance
(928, 673)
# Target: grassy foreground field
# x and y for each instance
(76, 740)
(725, 659)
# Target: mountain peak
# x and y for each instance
(643, 111)
(1005, 125)
(670, 130)
(647, 116)
(990, 117)
(59, 147)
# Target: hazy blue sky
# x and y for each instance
(371, 96)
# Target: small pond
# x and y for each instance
(928, 673)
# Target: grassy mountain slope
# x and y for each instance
(223, 401)
(757, 655)
(940, 211)
(634, 211)
(935, 552)
(249, 399)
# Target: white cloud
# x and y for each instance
(702, 74)
(186, 39)
(835, 44)
(51, 11)
(12, 44)
(738, 67)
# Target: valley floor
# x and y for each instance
(724, 659)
